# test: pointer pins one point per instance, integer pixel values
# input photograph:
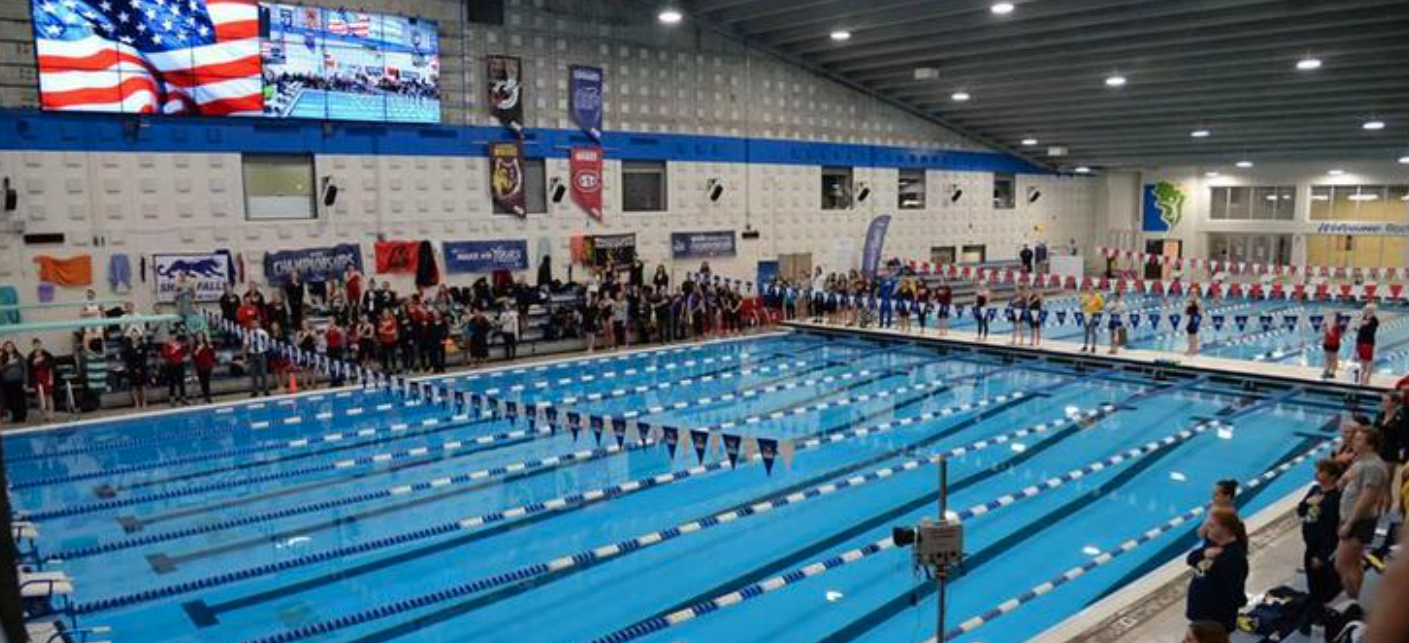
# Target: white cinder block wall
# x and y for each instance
(658, 81)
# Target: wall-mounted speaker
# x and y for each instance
(863, 193)
(955, 193)
(714, 189)
(558, 191)
(12, 197)
(1033, 194)
(330, 192)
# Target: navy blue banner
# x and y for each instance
(585, 94)
(702, 245)
(312, 264)
(486, 256)
(875, 243)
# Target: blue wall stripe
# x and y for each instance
(52, 131)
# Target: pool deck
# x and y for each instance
(1237, 367)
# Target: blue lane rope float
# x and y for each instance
(755, 590)
(1111, 554)
(599, 554)
(586, 497)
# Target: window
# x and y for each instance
(535, 189)
(1005, 189)
(278, 186)
(1258, 248)
(643, 186)
(1360, 203)
(912, 190)
(1265, 203)
(836, 188)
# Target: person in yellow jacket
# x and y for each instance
(1092, 303)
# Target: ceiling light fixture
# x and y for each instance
(1212, 175)
(1245, 164)
(1002, 8)
(1115, 81)
(960, 96)
(1364, 197)
(1336, 172)
(670, 16)
(1029, 142)
(1199, 133)
(841, 35)
(1404, 160)
(1373, 125)
(1082, 169)
(1308, 63)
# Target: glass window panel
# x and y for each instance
(1238, 203)
(643, 185)
(912, 190)
(836, 188)
(1320, 203)
(1286, 203)
(1004, 191)
(1218, 203)
(278, 186)
(1264, 203)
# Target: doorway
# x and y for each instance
(1172, 248)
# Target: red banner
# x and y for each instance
(397, 256)
(585, 167)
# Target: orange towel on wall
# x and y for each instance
(74, 272)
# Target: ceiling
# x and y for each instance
(1225, 66)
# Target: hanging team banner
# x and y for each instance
(506, 92)
(875, 243)
(585, 93)
(209, 272)
(312, 264)
(486, 256)
(506, 177)
(397, 256)
(585, 167)
(702, 245)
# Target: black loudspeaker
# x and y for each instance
(12, 198)
(955, 193)
(330, 194)
(715, 190)
(863, 194)
(559, 191)
(1033, 194)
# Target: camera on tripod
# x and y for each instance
(935, 545)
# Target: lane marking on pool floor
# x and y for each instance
(395, 432)
(757, 589)
(599, 554)
(475, 477)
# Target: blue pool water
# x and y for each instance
(351, 516)
(1278, 342)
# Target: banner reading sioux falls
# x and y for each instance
(506, 177)
(585, 167)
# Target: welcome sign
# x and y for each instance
(1366, 228)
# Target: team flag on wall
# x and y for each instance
(585, 92)
(149, 56)
(506, 177)
(506, 92)
(585, 167)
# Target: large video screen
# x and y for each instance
(235, 58)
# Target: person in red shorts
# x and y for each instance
(1331, 345)
(1365, 343)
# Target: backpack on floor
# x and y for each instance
(1276, 614)
(1346, 626)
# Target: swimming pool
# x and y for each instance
(366, 516)
(1281, 332)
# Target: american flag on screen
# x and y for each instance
(343, 23)
(149, 56)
